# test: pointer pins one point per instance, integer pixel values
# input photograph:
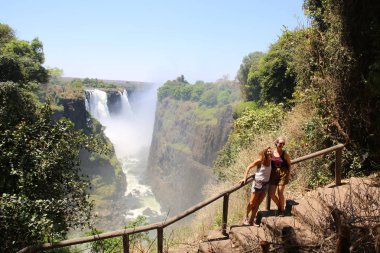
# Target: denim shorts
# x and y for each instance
(264, 188)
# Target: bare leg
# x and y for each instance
(281, 189)
(250, 204)
(272, 194)
(256, 205)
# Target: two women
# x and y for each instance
(260, 185)
(273, 171)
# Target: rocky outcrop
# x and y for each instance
(114, 101)
(184, 145)
(74, 110)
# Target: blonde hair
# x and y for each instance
(278, 140)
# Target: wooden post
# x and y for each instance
(126, 243)
(268, 201)
(225, 213)
(338, 166)
(160, 240)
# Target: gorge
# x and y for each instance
(166, 149)
(129, 128)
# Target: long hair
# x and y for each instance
(265, 159)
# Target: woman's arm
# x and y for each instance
(255, 163)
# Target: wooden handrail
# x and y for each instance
(161, 225)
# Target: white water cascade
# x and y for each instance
(130, 132)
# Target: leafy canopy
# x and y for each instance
(20, 61)
(42, 194)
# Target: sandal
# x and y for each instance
(246, 222)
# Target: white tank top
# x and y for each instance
(263, 173)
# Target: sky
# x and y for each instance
(151, 41)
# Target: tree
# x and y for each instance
(42, 192)
(274, 77)
(20, 61)
(344, 46)
(249, 62)
(181, 79)
(6, 34)
(56, 72)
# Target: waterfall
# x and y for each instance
(126, 107)
(97, 105)
(130, 133)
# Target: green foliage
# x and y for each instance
(6, 34)
(273, 77)
(250, 61)
(221, 93)
(316, 134)
(115, 244)
(251, 123)
(242, 106)
(206, 116)
(42, 191)
(196, 91)
(319, 178)
(20, 61)
(341, 61)
(178, 89)
(55, 73)
(218, 219)
(42, 194)
(209, 98)
(138, 237)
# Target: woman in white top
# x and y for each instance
(260, 185)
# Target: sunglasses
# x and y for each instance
(281, 143)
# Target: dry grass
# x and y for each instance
(364, 205)
(209, 218)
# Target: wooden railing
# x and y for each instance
(159, 226)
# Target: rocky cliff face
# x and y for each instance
(75, 110)
(184, 146)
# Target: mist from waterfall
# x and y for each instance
(130, 131)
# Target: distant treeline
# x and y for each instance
(222, 92)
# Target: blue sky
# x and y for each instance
(151, 41)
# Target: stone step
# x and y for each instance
(217, 246)
(312, 211)
(289, 231)
(216, 242)
(352, 195)
(315, 207)
(247, 238)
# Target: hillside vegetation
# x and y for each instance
(316, 86)
(192, 123)
(49, 165)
